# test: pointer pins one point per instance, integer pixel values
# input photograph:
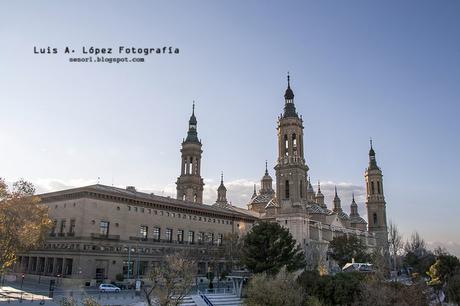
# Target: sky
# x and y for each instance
(389, 70)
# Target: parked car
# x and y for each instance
(108, 288)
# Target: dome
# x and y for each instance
(289, 94)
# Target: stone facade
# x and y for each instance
(99, 229)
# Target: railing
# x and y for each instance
(205, 299)
(105, 237)
(219, 291)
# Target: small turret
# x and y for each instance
(337, 204)
(266, 182)
(319, 198)
(353, 207)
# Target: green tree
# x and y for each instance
(453, 288)
(344, 248)
(442, 272)
(268, 247)
(24, 222)
(268, 290)
(340, 289)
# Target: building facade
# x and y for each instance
(101, 231)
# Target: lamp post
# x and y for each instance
(22, 279)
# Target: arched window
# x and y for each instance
(375, 218)
(286, 145)
(190, 166)
(372, 188)
(301, 189)
(286, 189)
(378, 187)
(294, 144)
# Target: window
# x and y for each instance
(200, 237)
(144, 231)
(220, 238)
(169, 234)
(156, 233)
(286, 145)
(301, 189)
(191, 237)
(375, 218)
(286, 189)
(378, 187)
(372, 188)
(72, 226)
(211, 236)
(63, 224)
(294, 144)
(104, 228)
(53, 228)
(180, 235)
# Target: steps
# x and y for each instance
(224, 299)
(188, 301)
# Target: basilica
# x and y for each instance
(102, 231)
(294, 202)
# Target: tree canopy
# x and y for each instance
(24, 222)
(268, 247)
(445, 273)
(344, 248)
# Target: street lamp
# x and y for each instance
(22, 279)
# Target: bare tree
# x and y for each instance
(416, 245)
(395, 241)
(281, 289)
(171, 281)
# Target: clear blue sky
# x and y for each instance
(390, 70)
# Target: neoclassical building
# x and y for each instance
(100, 231)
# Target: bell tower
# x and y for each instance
(189, 183)
(375, 202)
(291, 170)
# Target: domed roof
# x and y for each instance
(357, 219)
(262, 198)
(289, 94)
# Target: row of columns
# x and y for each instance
(44, 265)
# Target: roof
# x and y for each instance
(314, 208)
(262, 198)
(357, 219)
(272, 203)
(142, 196)
(343, 215)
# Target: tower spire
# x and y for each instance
(192, 135)
(372, 160)
(289, 107)
(266, 167)
(222, 178)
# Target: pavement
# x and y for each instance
(34, 293)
